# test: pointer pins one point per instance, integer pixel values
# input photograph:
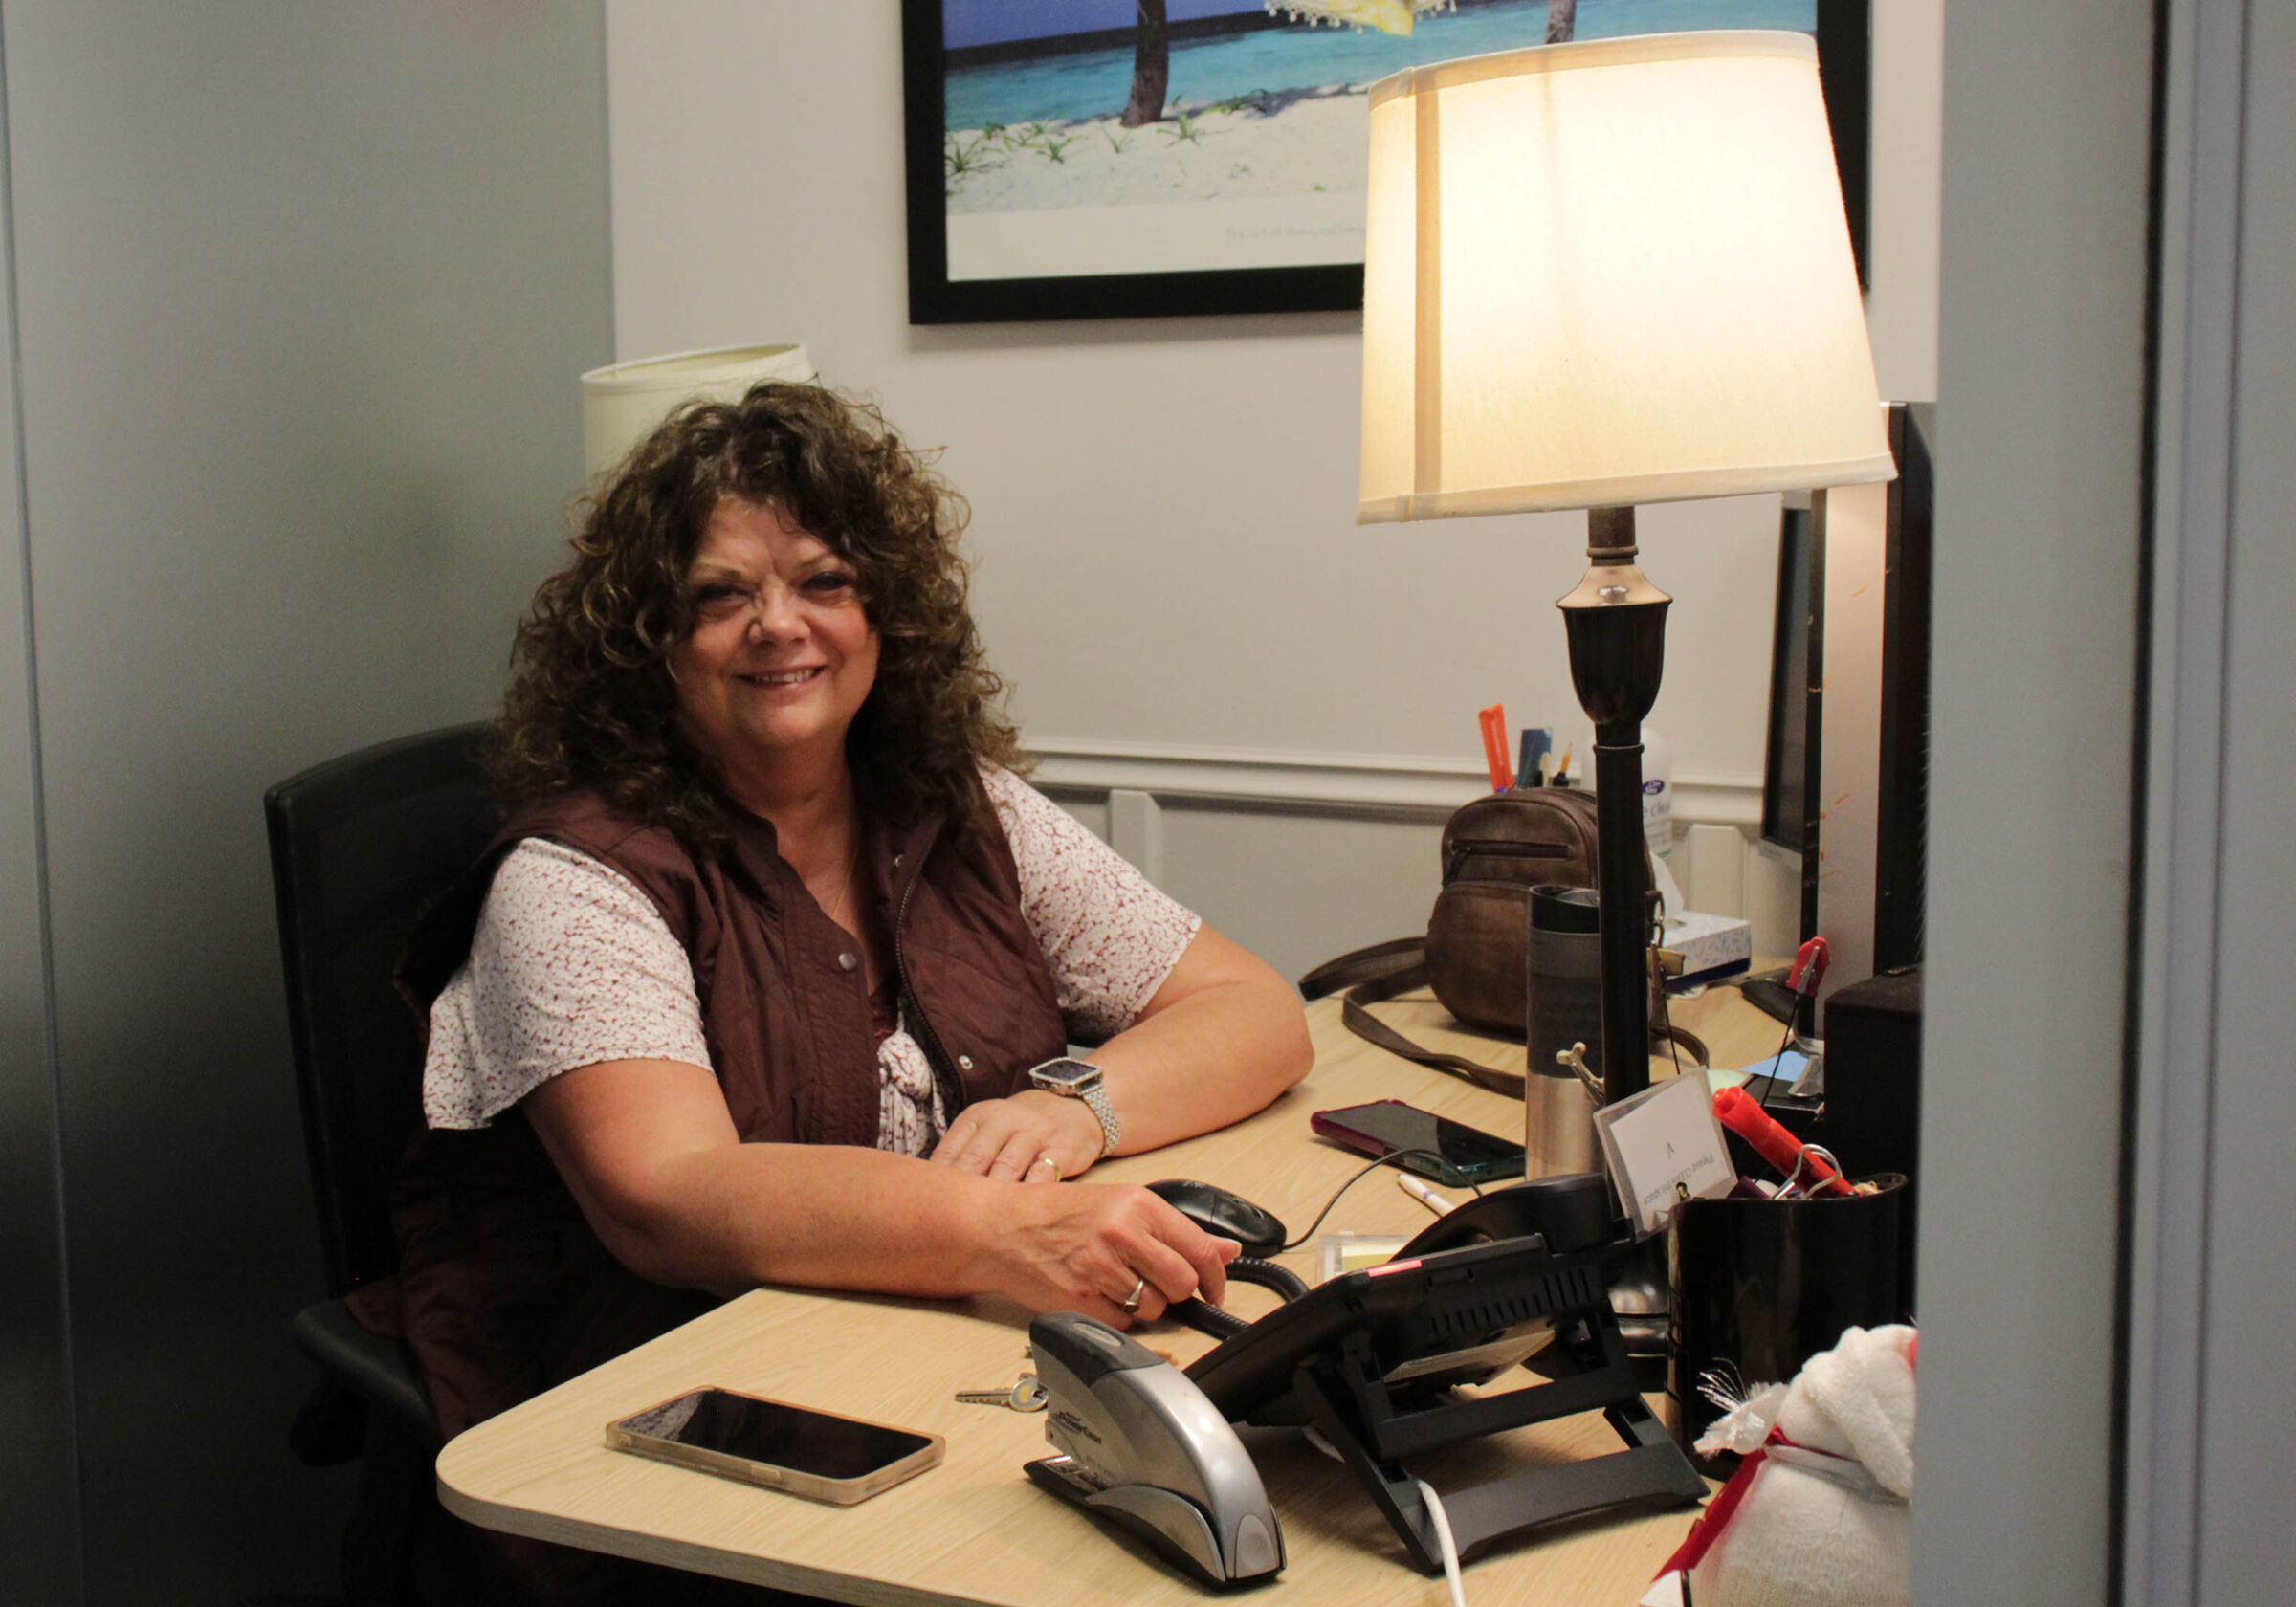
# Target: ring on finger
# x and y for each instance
(1047, 1160)
(1132, 1301)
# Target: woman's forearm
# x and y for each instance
(1212, 1057)
(650, 1154)
(732, 1217)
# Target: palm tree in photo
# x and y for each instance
(1151, 67)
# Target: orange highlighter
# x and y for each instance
(1494, 746)
(1744, 1115)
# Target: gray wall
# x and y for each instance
(2041, 396)
(302, 294)
(2247, 1548)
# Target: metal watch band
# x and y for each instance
(1095, 1098)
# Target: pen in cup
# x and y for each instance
(1494, 722)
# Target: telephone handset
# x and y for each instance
(1571, 1211)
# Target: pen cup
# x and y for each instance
(1761, 1285)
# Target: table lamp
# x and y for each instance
(624, 401)
(1598, 274)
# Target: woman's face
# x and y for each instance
(781, 654)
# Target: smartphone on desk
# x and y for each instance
(1449, 1151)
(771, 1443)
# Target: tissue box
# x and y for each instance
(1711, 947)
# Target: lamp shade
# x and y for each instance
(624, 402)
(1610, 273)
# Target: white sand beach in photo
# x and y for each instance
(1300, 142)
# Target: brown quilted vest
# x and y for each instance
(503, 1289)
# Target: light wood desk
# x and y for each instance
(975, 1530)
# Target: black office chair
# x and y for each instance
(357, 846)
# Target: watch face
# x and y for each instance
(1064, 1074)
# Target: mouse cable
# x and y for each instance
(1393, 1157)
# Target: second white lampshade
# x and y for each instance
(625, 401)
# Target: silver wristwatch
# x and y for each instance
(1080, 1079)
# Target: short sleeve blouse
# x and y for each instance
(571, 965)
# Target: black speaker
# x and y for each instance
(1872, 1119)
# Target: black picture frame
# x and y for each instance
(1844, 59)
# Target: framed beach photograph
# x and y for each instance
(1137, 158)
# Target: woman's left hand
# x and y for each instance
(1031, 1137)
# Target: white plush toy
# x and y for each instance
(1820, 1512)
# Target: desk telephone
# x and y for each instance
(1373, 1360)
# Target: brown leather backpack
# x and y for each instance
(1475, 954)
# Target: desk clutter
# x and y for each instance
(1786, 1277)
(1785, 1272)
(1383, 1364)
(1392, 1358)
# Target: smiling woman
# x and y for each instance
(770, 975)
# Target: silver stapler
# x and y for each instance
(1139, 1443)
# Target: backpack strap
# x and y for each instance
(1364, 966)
(1385, 970)
(1379, 973)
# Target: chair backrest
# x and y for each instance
(358, 846)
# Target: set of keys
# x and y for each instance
(1026, 1396)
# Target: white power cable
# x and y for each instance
(1442, 1537)
(1434, 1504)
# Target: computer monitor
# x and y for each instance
(1790, 765)
(1903, 828)
(1793, 816)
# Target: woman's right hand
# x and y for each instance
(1088, 1246)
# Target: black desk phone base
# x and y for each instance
(1375, 1360)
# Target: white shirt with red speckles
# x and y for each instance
(572, 965)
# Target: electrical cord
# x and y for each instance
(1437, 1516)
(1777, 1060)
(1393, 1157)
(1665, 1016)
(1666, 1024)
(1205, 1317)
(1443, 1538)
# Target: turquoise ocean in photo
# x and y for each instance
(1095, 83)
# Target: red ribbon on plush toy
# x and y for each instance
(1718, 1511)
(1709, 1525)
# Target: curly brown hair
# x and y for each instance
(591, 703)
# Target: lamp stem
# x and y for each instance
(1622, 886)
(1616, 622)
(1610, 535)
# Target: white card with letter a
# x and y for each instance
(1664, 1146)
